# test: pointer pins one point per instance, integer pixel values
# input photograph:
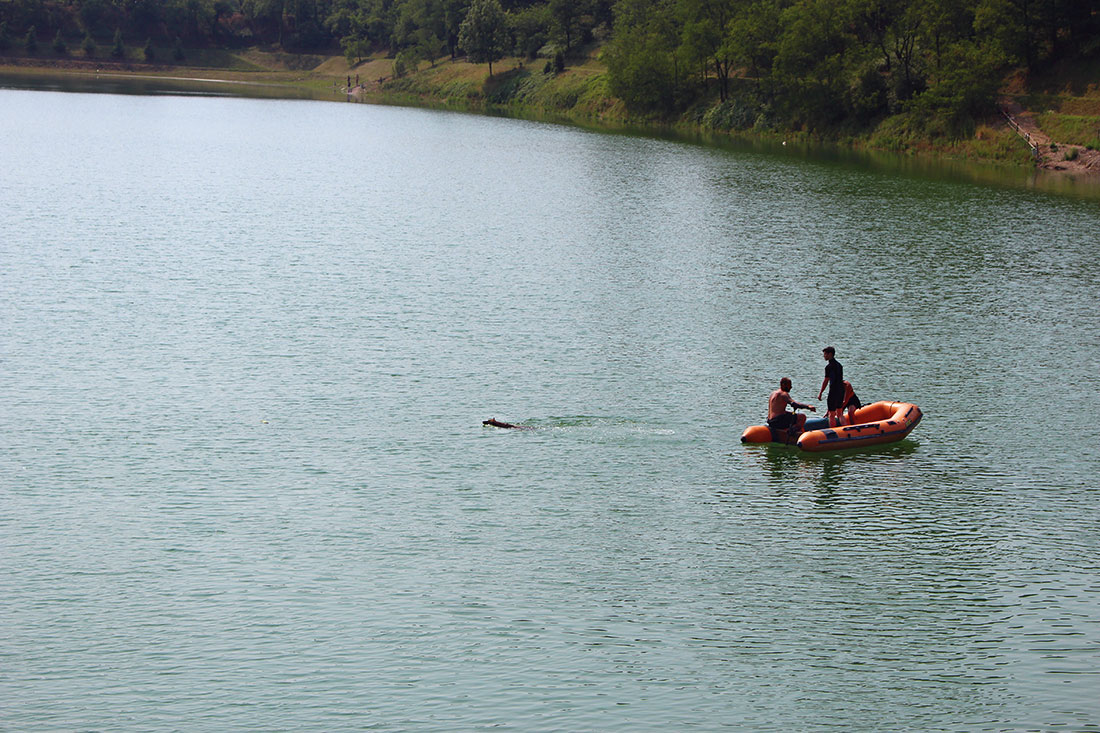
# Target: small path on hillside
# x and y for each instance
(1050, 154)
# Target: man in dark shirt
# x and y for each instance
(834, 380)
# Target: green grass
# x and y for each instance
(208, 58)
(580, 93)
(996, 144)
(572, 94)
(1074, 129)
(516, 86)
(989, 143)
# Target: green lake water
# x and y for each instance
(246, 347)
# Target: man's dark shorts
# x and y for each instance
(836, 399)
(782, 422)
(854, 402)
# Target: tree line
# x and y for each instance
(420, 29)
(821, 64)
(809, 64)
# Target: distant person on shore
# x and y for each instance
(778, 417)
(834, 380)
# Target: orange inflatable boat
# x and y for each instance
(881, 422)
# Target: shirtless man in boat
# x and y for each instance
(778, 417)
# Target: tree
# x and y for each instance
(429, 46)
(641, 57)
(270, 14)
(221, 9)
(454, 12)
(59, 46)
(196, 16)
(945, 21)
(483, 34)
(752, 38)
(704, 38)
(31, 41)
(404, 62)
(356, 48)
(812, 63)
(421, 25)
(95, 16)
(118, 49)
(565, 16)
(905, 34)
(529, 26)
(146, 17)
(964, 90)
(1008, 25)
(89, 46)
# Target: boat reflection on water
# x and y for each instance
(792, 468)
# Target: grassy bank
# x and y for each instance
(581, 95)
(1065, 100)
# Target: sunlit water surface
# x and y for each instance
(246, 347)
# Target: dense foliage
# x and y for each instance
(422, 29)
(835, 64)
(809, 64)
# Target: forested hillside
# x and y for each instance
(819, 65)
(424, 29)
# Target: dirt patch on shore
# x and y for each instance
(1050, 154)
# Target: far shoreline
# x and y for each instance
(49, 74)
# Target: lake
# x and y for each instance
(246, 346)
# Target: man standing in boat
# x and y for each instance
(834, 380)
(778, 417)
